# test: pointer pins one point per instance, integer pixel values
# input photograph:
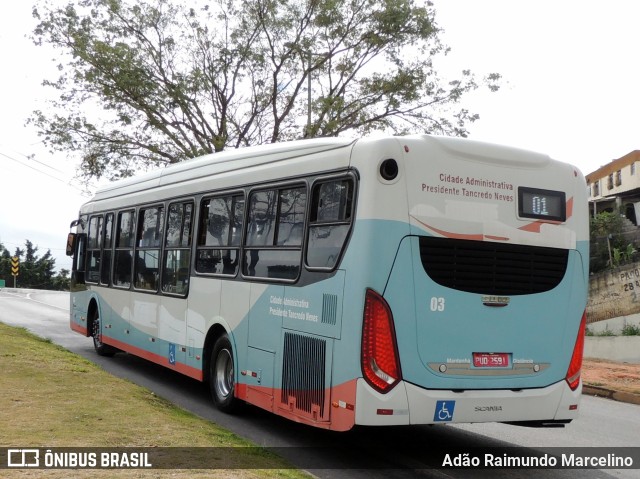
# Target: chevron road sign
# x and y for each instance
(15, 266)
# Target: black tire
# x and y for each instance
(222, 376)
(96, 333)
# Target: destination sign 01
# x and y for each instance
(542, 204)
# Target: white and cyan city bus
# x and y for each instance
(335, 282)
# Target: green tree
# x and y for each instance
(605, 223)
(5, 264)
(28, 270)
(147, 83)
(608, 246)
(35, 271)
(62, 280)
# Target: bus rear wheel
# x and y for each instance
(222, 376)
(96, 333)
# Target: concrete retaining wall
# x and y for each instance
(614, 348)
(614, 302)
(615, 325)
(614, 293)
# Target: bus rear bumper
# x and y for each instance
(410, 404)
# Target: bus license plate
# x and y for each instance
(491, 360)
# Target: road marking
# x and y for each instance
(29, 298)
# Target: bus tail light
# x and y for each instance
(380, 360)
(575, 366)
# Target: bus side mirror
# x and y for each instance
(71, 244)
(76, 245)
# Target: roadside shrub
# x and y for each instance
(606, 332)
(631, 330)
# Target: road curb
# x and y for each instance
(620, 396)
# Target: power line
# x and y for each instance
(33, 158)
(22, 163)
(32, 167)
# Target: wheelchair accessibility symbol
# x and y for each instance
(172, 353)
(444, 411)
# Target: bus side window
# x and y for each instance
(293, 203)
(94, 245)
(177, 253)
(219, 235)
(330, 221)
(122, 262)
(263, 207)
(107, 243)
(275, 230)
(149, 240)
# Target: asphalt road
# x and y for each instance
(363, 452)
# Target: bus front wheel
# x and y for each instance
(222, 376)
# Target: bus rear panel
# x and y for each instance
(486, 290)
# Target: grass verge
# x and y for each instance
(50, 397)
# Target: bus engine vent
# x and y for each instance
(329, 308)
(303, 374)
(492, 268)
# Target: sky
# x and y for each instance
(570, 89)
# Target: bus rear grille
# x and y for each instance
(303, 374)
(492, 268)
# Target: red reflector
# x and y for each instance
(575, 366)
(380, 360)
(343, 405)
(385, 412)
(573, 407)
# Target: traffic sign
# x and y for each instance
(15, 266)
